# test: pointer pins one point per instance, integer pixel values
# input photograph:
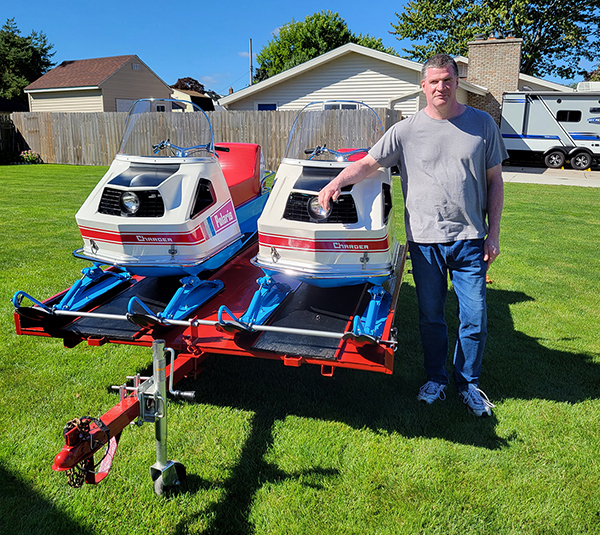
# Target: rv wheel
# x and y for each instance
(581, 160)
(555, 159)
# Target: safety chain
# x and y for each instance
(76, 475)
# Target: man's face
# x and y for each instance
(440, 86)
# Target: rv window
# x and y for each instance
(568, 116)
(594, 110)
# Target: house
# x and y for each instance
(379, 79)
(202, 100)
(350, 72)
(95, 85)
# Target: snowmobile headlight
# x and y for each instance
(130, 202)
(316, 211)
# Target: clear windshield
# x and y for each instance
(334, 130)
(165, 127)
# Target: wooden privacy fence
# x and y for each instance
(94, 138)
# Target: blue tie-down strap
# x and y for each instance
(20, 295)
(233, 324)
(146, 319)
(94, 283)
(265, 301)
(192, 294)
(368, 328)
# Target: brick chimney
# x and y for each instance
(494, 64)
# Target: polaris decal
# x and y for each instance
(224, 218)
(594, 120)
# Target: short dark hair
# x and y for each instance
(439, 61)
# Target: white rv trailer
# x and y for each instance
(553, 126)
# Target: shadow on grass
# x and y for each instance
(515, 366)
(24, 511)
(521, 367)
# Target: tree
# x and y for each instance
(22, 60)
(188, 84)
(191, 84)
(556, 34)
(298, 42)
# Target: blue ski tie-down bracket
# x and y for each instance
(265, 301)
(193, 293)
(95, 283)
(368, 328)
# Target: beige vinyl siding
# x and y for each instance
(462, 95)
(69, 101)
(351, 77)
(129, 83)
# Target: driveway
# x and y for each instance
(542, 175)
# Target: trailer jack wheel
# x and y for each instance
(169, 480)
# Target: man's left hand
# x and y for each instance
(491, 250)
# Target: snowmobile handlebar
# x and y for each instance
(183, 151)
(340, 155)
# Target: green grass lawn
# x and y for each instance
(270, 449)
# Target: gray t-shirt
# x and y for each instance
(443, 168)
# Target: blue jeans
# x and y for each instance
(431, 264)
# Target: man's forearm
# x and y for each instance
(495, 200)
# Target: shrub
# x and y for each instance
(30, 156)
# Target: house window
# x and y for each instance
(136, 66)
(568, 116)
(161, 108)
(124, 104)
(266, 107)
(340, 106)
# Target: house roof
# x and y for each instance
(526, 78)
(323, 59)
(192, 93)
(80, 73)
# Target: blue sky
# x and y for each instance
(208, 41)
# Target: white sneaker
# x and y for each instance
(477, 402)
(431, 391)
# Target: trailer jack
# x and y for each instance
(168, 476)
(147, 401)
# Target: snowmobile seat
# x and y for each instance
(241, 167)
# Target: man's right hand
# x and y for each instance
(352, 174)
(330, 192)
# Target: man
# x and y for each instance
(450, 160)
